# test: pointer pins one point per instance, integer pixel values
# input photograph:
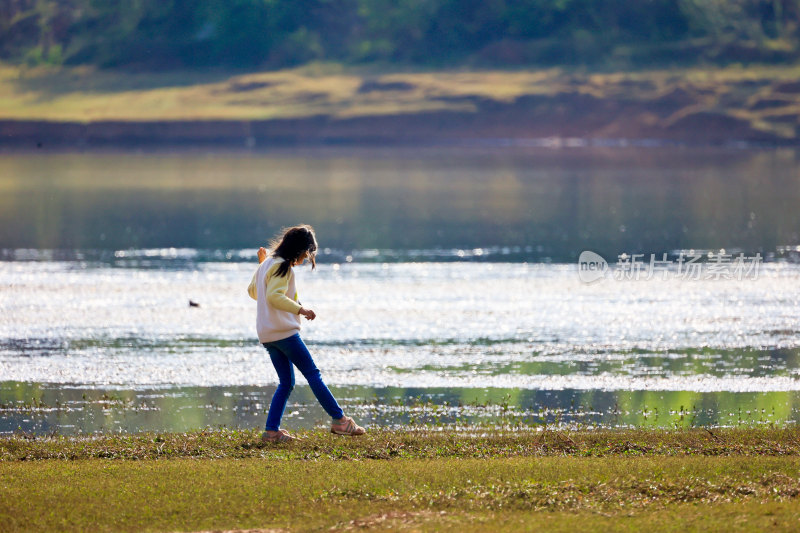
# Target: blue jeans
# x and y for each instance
(284, 353)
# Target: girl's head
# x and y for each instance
(293, 244)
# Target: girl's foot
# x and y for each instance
(277, 436)
(347, 426)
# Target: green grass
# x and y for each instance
(737, 479)
(188, 495)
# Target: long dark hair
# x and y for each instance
(290, 245)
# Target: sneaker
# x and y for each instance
(280, 436)
(347, 426)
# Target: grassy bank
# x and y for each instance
(418, 444)
(751, 103)
(496, 494)
(623, 480)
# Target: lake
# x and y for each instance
(448, 289)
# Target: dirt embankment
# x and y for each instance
(742, 111)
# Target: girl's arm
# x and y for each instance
(276, 291)
(251, 289)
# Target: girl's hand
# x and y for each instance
(262, 254)
(308, 313)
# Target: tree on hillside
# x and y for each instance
(275, 33)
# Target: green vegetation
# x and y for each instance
(625, 480)
(686, 70)
(277, 33)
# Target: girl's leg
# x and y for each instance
(295, 349)
(285, 385)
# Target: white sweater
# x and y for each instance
(277, 307)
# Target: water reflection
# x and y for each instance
(43, 408)
(558, 202)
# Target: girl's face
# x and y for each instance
(300, 260)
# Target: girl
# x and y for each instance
(278, 324)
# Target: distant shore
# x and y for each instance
(539, 127)
(73, 109)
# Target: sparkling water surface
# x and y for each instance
(425, 324)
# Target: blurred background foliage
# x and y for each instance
(167, 34)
